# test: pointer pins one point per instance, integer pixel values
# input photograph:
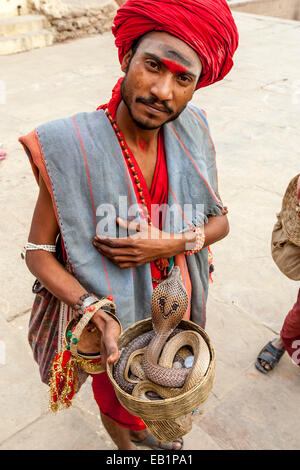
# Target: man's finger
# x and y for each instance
(113, 242)
(126, 265)
(112, 356)
(112, 352)
(103, 353)
(119, 251)
(141, 226)
(129, 225)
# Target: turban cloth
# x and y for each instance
(205, 25)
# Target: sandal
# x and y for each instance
(155, 444)
(272, 361)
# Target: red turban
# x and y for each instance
(205, 25)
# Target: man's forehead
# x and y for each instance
(175, 55)
(169, 47)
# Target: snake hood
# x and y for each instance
(169, 303)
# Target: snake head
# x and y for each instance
(169, 302)
(162, 304)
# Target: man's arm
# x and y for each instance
(62, 284)
(216, 229)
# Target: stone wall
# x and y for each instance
(70, 19)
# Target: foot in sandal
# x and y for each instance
(144, 438)
(270, 355)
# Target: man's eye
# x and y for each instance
(184, 79)
(152, 64)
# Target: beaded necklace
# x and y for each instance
(162, 264)
(121, 138)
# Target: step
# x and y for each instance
(22, 24)
(25, 42)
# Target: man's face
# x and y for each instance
(160, 79)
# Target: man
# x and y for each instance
(289, 339)
(146, 147)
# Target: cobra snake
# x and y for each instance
(150, 356)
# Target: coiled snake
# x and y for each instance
(159, 347)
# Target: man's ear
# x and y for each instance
(126, 60)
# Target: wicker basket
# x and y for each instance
(172, 415)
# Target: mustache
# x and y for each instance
(153, 101)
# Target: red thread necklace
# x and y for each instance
(120, 136)
(161, 264)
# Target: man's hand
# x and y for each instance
(110, 331)
(146, 245)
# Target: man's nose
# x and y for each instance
(162, 88)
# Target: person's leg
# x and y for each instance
(125, 439)
(291, 325)
(120, 436)
(279, 345)
(124, 428)
(289, 331)
(145, 438)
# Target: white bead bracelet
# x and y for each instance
(31, 246)
(200, 240)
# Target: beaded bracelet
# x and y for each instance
(200, 240)
(79, 304)
(32, 246)
(89, 299)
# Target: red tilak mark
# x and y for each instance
(173, 67)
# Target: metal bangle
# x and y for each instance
(89, 301)
(110, 309)
(113, 316)
(81, 305)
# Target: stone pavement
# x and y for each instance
(254, 118)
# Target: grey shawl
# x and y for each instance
(87, 170)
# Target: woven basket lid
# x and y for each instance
(290, 212)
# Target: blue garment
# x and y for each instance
(87, 169)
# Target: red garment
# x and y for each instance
(103, 390)
(290, 332)
(158, 194)
(205, 25)
(110, 406)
